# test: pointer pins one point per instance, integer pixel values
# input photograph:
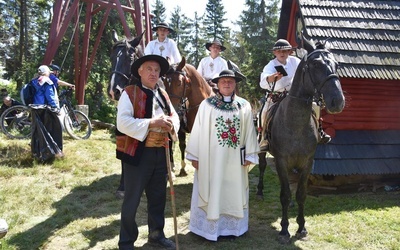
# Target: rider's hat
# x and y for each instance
(226, 73)
(164, 64)
(282, 44)
(163, 25)
(216, 42)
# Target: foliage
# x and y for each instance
(213, 22)
(158, 13)
(23, 43)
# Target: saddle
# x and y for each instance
(266, 135)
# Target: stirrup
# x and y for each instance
(324, 138)
(264, 146)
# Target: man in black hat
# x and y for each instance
(163, 46)
(213, 64)
(145, 121)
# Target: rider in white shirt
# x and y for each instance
(210, 66)
(163, 46)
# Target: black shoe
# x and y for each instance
(162, 242)
(325, 138)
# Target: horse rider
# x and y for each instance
(278, 84)
(213, 64)
(163, 46)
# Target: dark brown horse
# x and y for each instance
(293, 132)
(186, 89)
(123, 54)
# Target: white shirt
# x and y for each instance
(209, 68)
(286, 81)
(167, 48)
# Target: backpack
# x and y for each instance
(28, 92)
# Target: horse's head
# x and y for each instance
(123, 54)
(317, 72)
(176, 84)
(186, 89)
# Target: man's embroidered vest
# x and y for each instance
(129, 150)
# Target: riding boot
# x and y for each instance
(324, 138)
(262, 138)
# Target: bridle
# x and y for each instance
(317, 96)
(130, 52)
(182, 109)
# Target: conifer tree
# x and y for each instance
(214, 19)
(158, 12)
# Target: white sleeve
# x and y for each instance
(267, 71)
(133, 127)
(176, 56)
(148, 49)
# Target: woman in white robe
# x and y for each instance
(223, 148)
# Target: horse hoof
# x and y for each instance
(260, 197)
(284, 239)
(182, 173)
(301, 235)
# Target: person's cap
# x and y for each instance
(164, 64)
(226, 73)
(216, 42)
(282, 44)
(54, 67)
(43, 69)
(163, 25)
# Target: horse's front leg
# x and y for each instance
(182, 148)
(262, 165)
(301, 195)
(285, 197)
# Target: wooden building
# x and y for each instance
(365, 39)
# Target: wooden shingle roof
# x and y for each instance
(364, 36)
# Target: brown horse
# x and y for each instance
(186, 89)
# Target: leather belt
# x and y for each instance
(156, 139)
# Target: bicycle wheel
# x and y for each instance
(16, 122)
(77, 125)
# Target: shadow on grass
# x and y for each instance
(93, 201)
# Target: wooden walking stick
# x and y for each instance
(172, 192)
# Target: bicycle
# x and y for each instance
(16, 121)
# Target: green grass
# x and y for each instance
(70, 204)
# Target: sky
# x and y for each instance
(233, 8)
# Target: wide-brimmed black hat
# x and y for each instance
(216, 42)
(226, 73)
(163, 25)
(164, 64)
(282, 44)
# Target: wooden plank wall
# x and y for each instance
(370, 105)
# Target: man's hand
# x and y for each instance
(195, 164)
(163, 122)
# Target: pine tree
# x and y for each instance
(214, 19)
(195, 49)
(180, 23)
(158, 13)
(258, 25)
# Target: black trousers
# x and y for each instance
(150, 175)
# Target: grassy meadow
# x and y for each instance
(71, 204)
